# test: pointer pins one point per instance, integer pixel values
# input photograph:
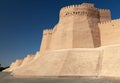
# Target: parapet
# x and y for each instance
(104, 14)
(82, 9)
(116, 21)
(30, 56)
(18, 61)
(47, 31)
(90, 5)
(111, 21)
(103, 10)
(85, 9)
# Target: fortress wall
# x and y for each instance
(81, 62)
(110, 61)
(109, 32)
(67, 48)
(19, 63)
(76, 9)
(86, 28)
(45, 40)
(62, 36)
(37, 55)
(12, 65)
(16, 65)
(10, 68)
(47, 65)
(95, 31)
(73, 18)
(93, 20)
(66, 62)
(104, 14)
(101, 61)
(80, 33)
(27, 60)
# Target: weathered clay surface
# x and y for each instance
(85, 42)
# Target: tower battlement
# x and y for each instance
(103, 10)
(47, 31)
(18, 60)
(110, 21)
(85, 9)
(104, 14)
(82, 9)
(90, 5)
(80, 5)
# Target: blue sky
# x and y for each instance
(22, 23)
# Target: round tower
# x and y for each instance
(77, 28)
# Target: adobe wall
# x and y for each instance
(85, 28)
(66, 62)
(15, 65)
(81, 62)
(10, 68)
(78, 28)
(19, 63)
(27, 60)
(110, 61)
(62, 34)
(76, 23)
(101, 61)
(110, 32)
(37, 55)
(46, 39)
(105, 15)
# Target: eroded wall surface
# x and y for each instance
(111, 61)
(77, 62)
(110, 32)
(77, 28)
(85, 42)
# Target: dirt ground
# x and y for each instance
(7, 78)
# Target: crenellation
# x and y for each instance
(82, 9)
(89, 5)
(18, 60)
(77, 13)
(109, 22)
(104, 14)
(103, 10)
(47, 31)
(76, 5)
